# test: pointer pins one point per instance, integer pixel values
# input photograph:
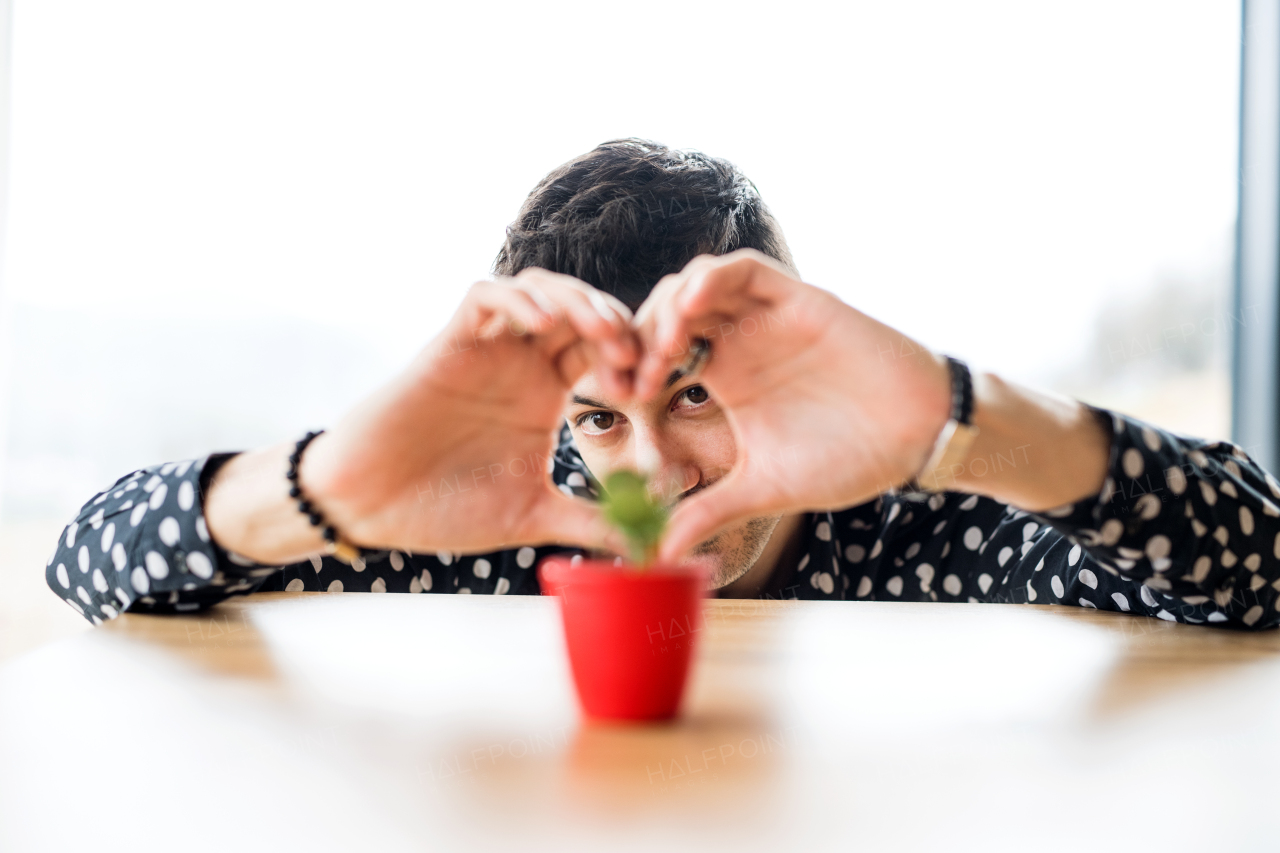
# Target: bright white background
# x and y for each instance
(229, 220)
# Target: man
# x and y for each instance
(787, 458)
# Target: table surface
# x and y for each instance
(397, 722)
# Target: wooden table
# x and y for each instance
(308, 721)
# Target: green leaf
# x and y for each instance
(629, 507)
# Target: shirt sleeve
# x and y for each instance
(1183, 529)
(143, 546)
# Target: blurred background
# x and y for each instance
(228, 222)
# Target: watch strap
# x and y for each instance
(961, 391)
(952, 445)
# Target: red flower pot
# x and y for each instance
(630, 634)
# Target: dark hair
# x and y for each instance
(622, 216)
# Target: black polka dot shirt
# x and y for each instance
(1183, 529)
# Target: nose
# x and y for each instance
(671, 469)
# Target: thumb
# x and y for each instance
(565, 520)
(701, 516)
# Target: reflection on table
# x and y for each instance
(315, 721)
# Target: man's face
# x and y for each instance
(685, 437)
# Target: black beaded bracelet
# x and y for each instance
(335, 544)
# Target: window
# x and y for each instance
(229, 221)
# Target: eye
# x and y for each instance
(596, 423)
(694, 394)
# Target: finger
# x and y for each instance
(659, 293)
(745, 273)
(730, 289)
(579, 356)
(590, 312)
(565, 520)
(610, 302)
(658, 360)
(732, 286)
(524, 309)
(571, 355)
(710, 293)
(645, 322)
(667, 329)
(493, 307)
(700, 517)
(609, 307)
(574, 346)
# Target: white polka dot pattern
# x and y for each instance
(137, 553)
(1139, 546)
(1142, 545)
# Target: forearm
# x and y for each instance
(249, 511)
(1033, 451)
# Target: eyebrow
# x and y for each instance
(580, 400)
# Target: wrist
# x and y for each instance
(1035, 451)
(309, 507)
(931, 414)
(249, 512)
(950, 447)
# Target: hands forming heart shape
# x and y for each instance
(828, 408)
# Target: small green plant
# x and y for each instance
(629, 507)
